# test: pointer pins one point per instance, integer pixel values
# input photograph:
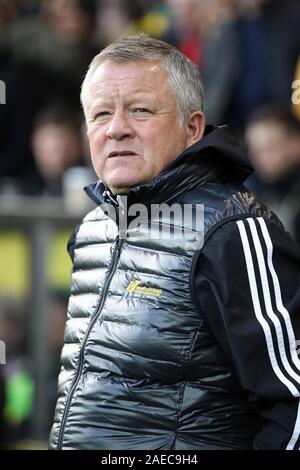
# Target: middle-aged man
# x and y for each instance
(174, 342)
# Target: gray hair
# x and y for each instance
(184, 76)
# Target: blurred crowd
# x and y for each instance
(248, 52)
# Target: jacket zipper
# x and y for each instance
(118, 244)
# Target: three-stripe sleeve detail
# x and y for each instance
(269, 310)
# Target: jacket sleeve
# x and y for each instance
(247, 285)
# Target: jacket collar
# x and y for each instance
(216, 156)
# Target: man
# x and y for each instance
(185, 342)
(273, 139)
(56, 147)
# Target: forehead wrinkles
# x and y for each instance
(140, 72)
(142, 83)
(126, 89)
(118, 87)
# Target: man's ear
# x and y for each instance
(195, 127)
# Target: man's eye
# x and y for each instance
(101, 114)
(141, 110)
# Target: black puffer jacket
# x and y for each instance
(176, 343)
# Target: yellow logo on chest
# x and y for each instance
(136, 288)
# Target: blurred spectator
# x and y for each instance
(42, 59)
(17, 387)
(115, 18)
(184, 31)
(273, 139)
(15, 120)
(194, 21)
(155, 22)
(17, 375)
(55, 44)
(14, 130)
(57, 146)
(252, 61)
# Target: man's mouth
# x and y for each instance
(122, 153)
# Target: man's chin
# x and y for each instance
(123, 187)
(117, 191)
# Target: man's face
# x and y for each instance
(273, 152)
(133, 126)
(56, 147)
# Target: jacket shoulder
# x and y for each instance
(228, 201)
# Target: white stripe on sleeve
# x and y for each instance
(268, 303)
(258, 312)
(277, 290)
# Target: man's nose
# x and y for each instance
(119, 127)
